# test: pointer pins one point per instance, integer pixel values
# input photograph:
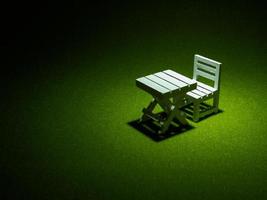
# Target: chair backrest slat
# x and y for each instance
(207, 68)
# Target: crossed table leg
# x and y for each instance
(170, 107)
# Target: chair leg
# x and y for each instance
(216, 103)
(196, 110)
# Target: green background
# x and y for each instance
(71, 93)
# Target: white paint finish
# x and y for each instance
(207, 60)
(169, 91)
(180, 77)
(201, 61)
(162, 82)
(202, 94)
(148, 85)
(170, 79)
(206, 75)
(195, 96)
(207, 87)
(207, 92)
(206, 68)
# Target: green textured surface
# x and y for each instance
(66, 131)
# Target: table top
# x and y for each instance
(167, 82)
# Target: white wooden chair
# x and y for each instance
(209, 69)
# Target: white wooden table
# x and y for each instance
(168, 89)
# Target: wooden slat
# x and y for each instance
(170, 79)
(207, 87)
(162, 82)
(202, 94)
(149, 86)
(207, 92)
(206, 68)
(179, 77)
(195, 96)
(207, 60)
(206, 75)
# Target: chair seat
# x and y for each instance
(202, 91)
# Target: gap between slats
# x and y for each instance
(171, 79)
(206, 75)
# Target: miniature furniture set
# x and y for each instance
(173, 91)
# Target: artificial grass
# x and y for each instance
(75, 139)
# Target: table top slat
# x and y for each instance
(150, 85)
(180, 77)
(162, 82)
(170, 79)
(168, 83)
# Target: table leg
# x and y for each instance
(165, 104)
(169, 119)
(172, 110)
(147, 111)
(181, 116)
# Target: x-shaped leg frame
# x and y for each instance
(171, 106)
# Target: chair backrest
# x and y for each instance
(207, 68)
